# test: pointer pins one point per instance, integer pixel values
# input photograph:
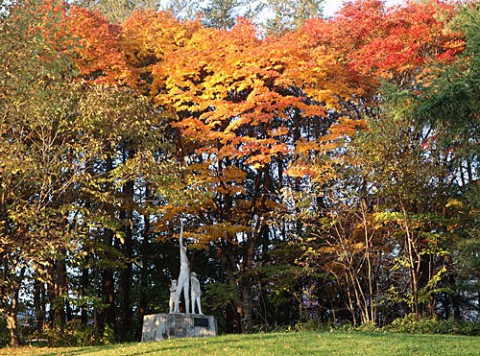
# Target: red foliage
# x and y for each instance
(391, 43)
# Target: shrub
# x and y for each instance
(72, 335)
(313, 325)
(409, 324)
(4, 333)
(367, 327)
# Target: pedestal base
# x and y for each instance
(165, 326)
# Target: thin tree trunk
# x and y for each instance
(39, 304)
(142, 308)
(12, 325)
(85, 280)
(57, 292)
(107, 314)
(249, 255)
(350, 301)
(371, 306)
(126, 281)
(413, 264)
(233, 310)
(11, 316)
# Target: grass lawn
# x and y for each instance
(302, 343)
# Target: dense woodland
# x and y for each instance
(327, 168)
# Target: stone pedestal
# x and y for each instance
(165, 326)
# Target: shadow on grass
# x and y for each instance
(94, 350)
(204, 344)
(80, 351)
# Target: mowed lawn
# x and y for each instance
(301, 343)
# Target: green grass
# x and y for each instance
(302, 343)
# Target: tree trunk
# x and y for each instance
(234, 319)
(85, 280)
(142, 307)
(351, 306)
(64, 291)
(11, 315)
(233, 310)
(12, 326)
(370, 299)
(414, 263)
(39, 304)
(107, 314)
(247, 302)
(57, 292)
(126, 216)
(126, 281)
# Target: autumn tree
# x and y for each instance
(127, 145)
(390, 43)
(404, 41)
(76, 130)
(36, 154)
(235, 100)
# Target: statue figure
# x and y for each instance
(183, 283)
(196, 293)
(173, 290)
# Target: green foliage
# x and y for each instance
(289, 15)
(108, 336)
(467, 264)
(367, 327)
(4, 333)
(412, 325)
(217, 295)
(119, 10)
(224, 13)
(73, 334)
(451, 101)
(312, 325)
(216, 298)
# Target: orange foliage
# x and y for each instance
(44, 19)
(91, 41)
(149, 36)
(96, 47)
(236, 97)
(235, 94)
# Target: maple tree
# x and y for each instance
(151, 36)
(391, 43)
(398, 45)
(236, 99)
(96, 47)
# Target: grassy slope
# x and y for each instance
(303, 343)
